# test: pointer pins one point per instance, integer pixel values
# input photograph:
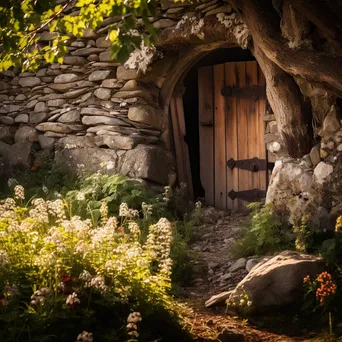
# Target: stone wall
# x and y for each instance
(93, 112)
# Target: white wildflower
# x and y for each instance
(3, 258)
(19, 192)
(45, 189)
(80, 196)
(12, 182)
(73, 300)
(85, 336)
(249, 303)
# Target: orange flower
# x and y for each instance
(34, 167)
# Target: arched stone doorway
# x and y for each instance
(217, 138)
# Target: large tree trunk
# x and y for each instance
(287, 103)
(264, 24)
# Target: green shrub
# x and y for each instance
(265, 233)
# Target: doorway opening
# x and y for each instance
(211, 128)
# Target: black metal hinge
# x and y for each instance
(253, 164)
(253, 195)
(251, 92)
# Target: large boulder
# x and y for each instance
(278, 281)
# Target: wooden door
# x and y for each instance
(232, 149)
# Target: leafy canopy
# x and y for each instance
(22, 22)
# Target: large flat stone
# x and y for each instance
(148, 115)
(102, 120)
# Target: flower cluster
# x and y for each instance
(39, 296)
(85, 336)
(338, 226)
(326, 289)
(323, 286)
(19, 192)
(129, 213)
(73, 300)
(133, 319)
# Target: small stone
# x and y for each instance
(66, 78)
(86, 51)
(251, 263)
(102, 120)
(103, 93)
(31, 104)
(41, 72)
(127, 74)
(22, 118)
(148, 115)
(99, 75)
(111, 83)
(238, 265)
(106, 56)
(117, 141)
(6, 120)
(74, 93)
(322, 172)
(94, 111)
(20, 97)
(339, 148)
(219, 299)
(323, 153)
(164, 23)
(331, 124)
(56, 103)
(93, 58)
(29, 82)
(40, 107)
(315, 155)
(37, 118)
(103, 42)
(70, 117)
(74, 60)
(54, 127)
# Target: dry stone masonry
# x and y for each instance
(92, 111)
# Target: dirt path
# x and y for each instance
(213, 275)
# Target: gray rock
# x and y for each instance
(164, 23)
(99, 75)
(103, 42)
(7, 134)
(127, 74)
(17, 154)
(74, 93)
(86, 51)
(148, 115)
(29, 82)
(112, 83)
(36, 118)
(40, 107)
(331, 124)
(31, 104)
(116, 141)
(277, 282)
(105, 56)
(70, 117)
(147, 162)
(66, 78)
(20, 97)
(54, 127)
(103, 93)
(74, 60)
(63, 87)
(315, 155)
(6, 120)
(238, 265)
(219, 299)
(94, 111)
(26, 133)
(4, 85)
(24, 118)
(93, 58)
(73, 141)
(322, 172)
(56, 103)
(46, 143)
(102, 120)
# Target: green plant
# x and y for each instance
(266, 233)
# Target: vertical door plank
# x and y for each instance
(242, 133)
(178, 139)
(252, 123)
(262, 147)
(185, 149)
(220, 138)
(231, 135)
(206, 132)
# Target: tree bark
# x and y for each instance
(287, 103)
(263, 23)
